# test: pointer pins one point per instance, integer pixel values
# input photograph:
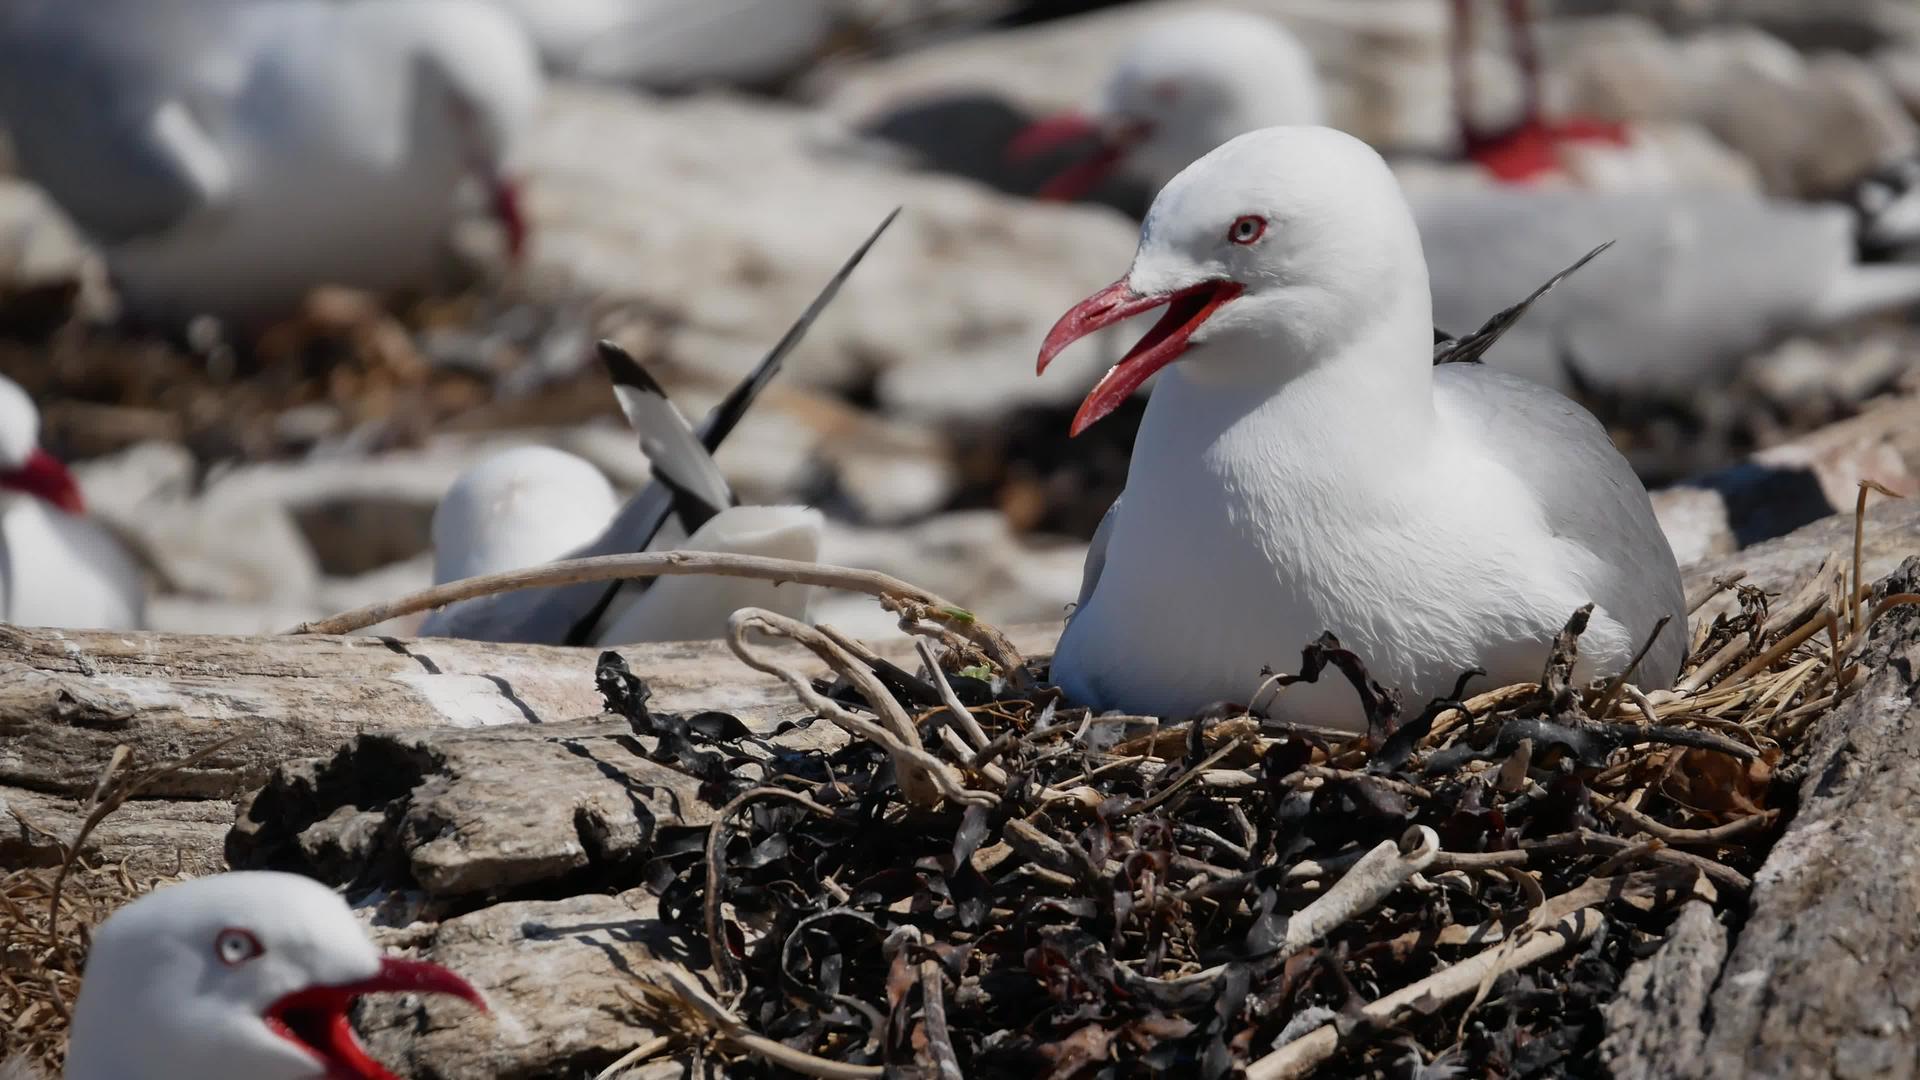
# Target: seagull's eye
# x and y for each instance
(235, 946)
(1247, 228)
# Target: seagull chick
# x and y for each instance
(1304, 467)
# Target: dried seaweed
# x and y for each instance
(1009, 886)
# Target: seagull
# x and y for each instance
(58, 567)
(530, 505)
(675, 45)
(229, 155)
(245, 974)
(1702, 280)
(1304, 466)
(689, 505)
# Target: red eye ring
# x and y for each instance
(235, 946)
(1247, 228)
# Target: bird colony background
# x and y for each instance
(689, 174)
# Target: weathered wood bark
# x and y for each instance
(67, 698)
(1823, 979)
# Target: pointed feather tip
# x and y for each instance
(624, 370)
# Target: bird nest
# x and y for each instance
(988, 881)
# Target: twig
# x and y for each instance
(976, 738)
(894, 594)
(1659, 830)
(1309, 1051)
(923, 778)
(735, 1032)
(1362, 887)
(933, 997)
(635, 1056)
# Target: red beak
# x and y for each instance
(44, 476)
(316, 1018)
(509, 209)
(1057, 132)
(1169, 338)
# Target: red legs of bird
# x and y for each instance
(1529, 148)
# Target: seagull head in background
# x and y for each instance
(24, 466)
(1265, 256)
(477, 82)
(519, 507)
(1188, 83)
(244, 975)
(1194, 80)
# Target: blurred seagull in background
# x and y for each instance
(1700, 279)
(1306, 467)
(57, 566)
(498, 514)
(677, 44)
(230, 155)
(245, 974)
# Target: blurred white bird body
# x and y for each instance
(231, 155)
(676, 44)
(518, 508)
(1697, 281)
(691, 608)
(57, 567)
(533, 505)
(1305, 468)
(241, 975)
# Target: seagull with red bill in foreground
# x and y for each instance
(229, 156)
(1305, 467)
(236, 975)
(57, 566)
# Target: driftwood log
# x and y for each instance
(478, 789)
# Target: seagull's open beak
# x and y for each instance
(1110, 144)
(44, 476)
(1186, 309)
(316, 1018)
(508, 205)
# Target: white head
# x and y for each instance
(24, 466)
(1270, 254)
(477, 84)
(518, 508)
(1187, 84)
(244, 975)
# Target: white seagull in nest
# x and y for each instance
(230, 155)
(58, 567)
(235, 975)
(1700, 280)
(533, 505)
(1305, 467)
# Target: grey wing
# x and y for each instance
(1695, 283)
(97, 121)
(1564, 457)
(1096, 556)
